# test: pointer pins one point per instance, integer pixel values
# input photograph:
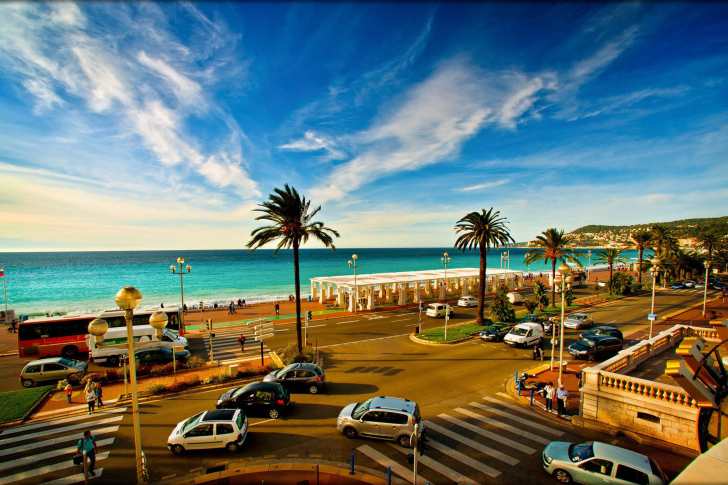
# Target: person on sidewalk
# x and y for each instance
(278, 309)
(90, 394)
(537, 351)
(562, 395)
(99, 393)
(241, 342)
(549, 393)
(88, 444)
(69, 392)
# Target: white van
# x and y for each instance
(514, 298)
(524, 335)
(438, 310)
(142, 333)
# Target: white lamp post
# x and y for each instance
(446, 259)
(705, 291)
(356, 289)
(654, 270)
(564, 279)
(181, 261)
(588, 269)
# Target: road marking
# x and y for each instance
(411, 324)
(348, 321)
(472, 443)
(516, 408)
(60, 430)
(400, 320)
(314, 326)
(47, 469)
(492, 472)
(360, 341)
(385, 461)
(505, 426)
(612, 321)
(673, 301)
(484, 432)
(281, 330)
(528, 422)
(54, 441)
(507, 396)
(26, 460)
(438, 467)
(78, 478)
(261, 422)
(26, 427)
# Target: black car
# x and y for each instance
(603, 330)
(257, 398)
(596, 347)
(495, 332)
(299, 377)
(160, 356)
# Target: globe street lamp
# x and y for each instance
(588, 268)
(128, 298)
(705, 291)
(562, 278)
(654, 271)
(181, 261)
(356, 289)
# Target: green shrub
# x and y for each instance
(194, 361)
(530, 305)
(113, 375)
(569, 297)
(158, 370)
(74, 379)
(157, 388)
(61, 385)
(193, 381)
(212, 379)
(542, 299)
(501, 308)
(289, 354)
(93, 377)
(223, 376)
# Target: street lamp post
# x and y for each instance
(705, 291)
(654, 270)
(588, 267)
(564, 278)
(356, 289)
(181, 261)
(446, 259)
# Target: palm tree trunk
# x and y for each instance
(639, 272)
(298, 295)
(611, 267)
(481, 286)
(553, 283)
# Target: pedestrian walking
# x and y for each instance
(88, 444)
(230, 309)
(243, 302)
(184, 308)
(90, 394)
(278, 308)
(99, 393)
(69, 392)
(562, 395)
(241, 342)
(537, 351)
(549, 393)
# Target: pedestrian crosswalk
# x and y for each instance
(472, 445)
(43, 452)
(225, 344)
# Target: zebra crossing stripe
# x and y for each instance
(492, 436)
(73, 479)
(47, 469)
(385, 461)
(27, 460)
(503, 394)
(472, 443)
(505, 426)
(515, 407)
(439, 468)
(528, 422)
(64, 439)
(55, 422)
(31, 436)
(491, 472)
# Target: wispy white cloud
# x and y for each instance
(312, 142)
(488, 185)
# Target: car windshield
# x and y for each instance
(239, 392)
(581, 452)
(519, 332)
(530, 318)
(283, 371)
(68, 362)
(585, 342)
(192, 422)
(361, 408)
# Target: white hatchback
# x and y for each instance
(219, 428)
(468, 301)
(438, 310)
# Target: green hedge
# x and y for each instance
(15, 404)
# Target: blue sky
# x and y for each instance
(161, 125)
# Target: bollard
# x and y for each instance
(389, 475)
(518, 384)
(531, 397)
(352, 464)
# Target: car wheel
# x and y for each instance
(27, 382)
(113, 360)
(404, 441)
(313, 389)
(273, 413)
(232, 447)
(350, 433)
(591, 358)
(69, 351)
(563, 476)
(178, 449)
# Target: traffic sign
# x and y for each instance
(652, 316)
(264, 330)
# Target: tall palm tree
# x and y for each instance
(610, 256)
(663, 239)
(292, 224)
(483, 230)
(640, 240)
(709, 241)
(553, 247)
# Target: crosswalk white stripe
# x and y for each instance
(488, 434)
(438, 467)
(46, 469)
(472, 463)
(73, 479)
(505, 426)
(63, 439)
(503, 394)
(71, 450)
(31, 436)
(26, 427)
(528, 422)
(517, 408)
(385, 461)
(472, 443)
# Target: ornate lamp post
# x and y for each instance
(654, 271)
(181, 261)
(588, 268)
(356, 288)
(705, 291)
(446, 259)
(562, 278)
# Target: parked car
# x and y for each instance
(719, 285)
(679, 286)
(551, 324)
(596, 347)
(495, 332)
(578, 321)
(160, 356)
(389, 418)
(603, 330)
(700, 285)
(256, 398)
(51, 369)
(535, 318)
(468, 301)
(299, 377)
(602, 284)
(515, 298)
(219, 428)
(524, 335)
(596, 463)
(689, 283)
(438, 310)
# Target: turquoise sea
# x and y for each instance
(88, 281)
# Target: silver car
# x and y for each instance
(389, 418)
(578, 321)
(595, 463)
(51, 369)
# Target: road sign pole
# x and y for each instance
(261, 353)
(209, 324)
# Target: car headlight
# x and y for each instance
(547, 459)
(219, 402)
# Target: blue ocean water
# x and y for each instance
(88, 281)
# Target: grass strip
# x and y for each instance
(453, 333)
(16, 404)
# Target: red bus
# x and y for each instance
(66, 335)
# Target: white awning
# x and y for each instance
(410, 276)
